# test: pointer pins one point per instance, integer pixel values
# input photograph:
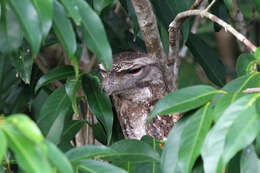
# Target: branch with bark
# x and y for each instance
(148, 26)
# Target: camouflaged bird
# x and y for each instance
(136, 84)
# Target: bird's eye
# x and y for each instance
(135, 71)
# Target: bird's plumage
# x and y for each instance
(136, 84)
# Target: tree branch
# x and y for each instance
(175, 25)
(148, 25)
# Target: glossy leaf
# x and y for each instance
(3, 145)
(26, 126)
(99, 103)
(249, 161)
(28, 155)
(218, 149)
(72, 9)
(223, 103)
(23, 65)
(60, 72)
(247, 126)
(257, 53)
(72, 86)
(94, 166)
(64, 30)
(88, 152)
(242, 83)
(169, 157)
(70, 130)
(94, 34)
(10, 32)
(123, 151)
(58, 159)
(193, 136)
(244, 64)
(29, 20)
(184, 100)
(52, 114)
(132, 150)
(45, 12)
(208, 59)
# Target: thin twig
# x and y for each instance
(251, 90)
(210, 5)
(175, 24)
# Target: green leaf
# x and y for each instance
(94, 34)
(242, 83)
(147, 168)
(208, 59)
(52, 114)
(247, 126)
(131, 150)
(94, 166)
(99, 103)
(23, 65)
(58, 159)
(45, 12)
(1, 169)
(72, 9)
(193, 136)
(89, 151)
(29, 20)
(257, 3)
(69, 133)
(3, 145)
(28, 155)
(219, 9)
(26, 126)
(224, 102)
(257, 144)
(60, 72)
(245, 64)
(10, 32)
(169, 157)
(257, 52)
(218, 149)
(249, 161)
(64, 30)
(228, 4)
(184, 100)
(99, 5)
(72, 86)
(154, 143)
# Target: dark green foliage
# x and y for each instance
(44, 105)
